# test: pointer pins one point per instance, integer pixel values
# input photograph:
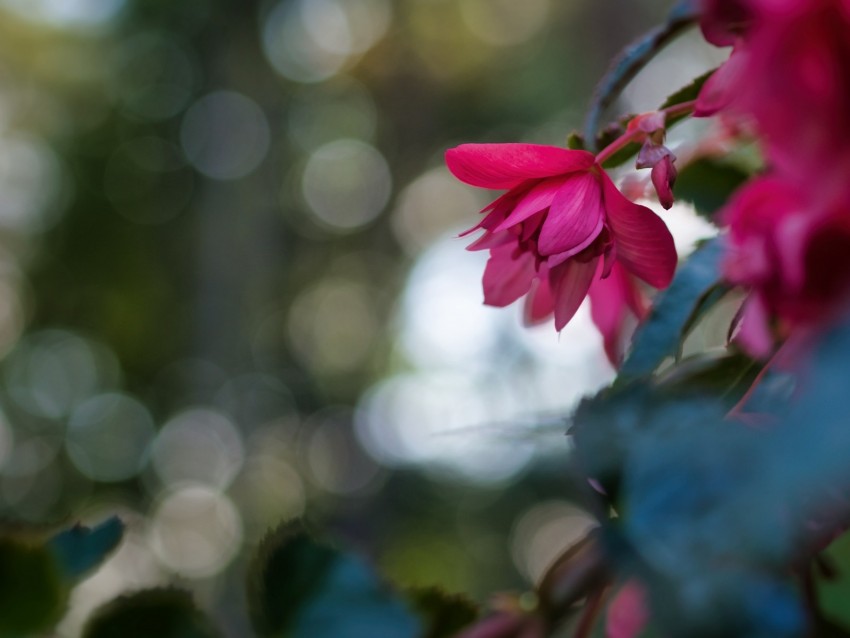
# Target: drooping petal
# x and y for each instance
(535, 200)
(722, 88)
(644, 245)
(574, 216)
(570, 282)
(611, 299)
(754, 331)
(508, 165)
(628, 612)
(488, 241)
(559, 258)
(539, 304)
(663, 177)
(507, 277)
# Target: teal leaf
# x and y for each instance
(79, 549)
(157, 613)
(661, 333)
(299, 588)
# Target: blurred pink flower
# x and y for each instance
(792, 250)
(559, 230)
(627, 614)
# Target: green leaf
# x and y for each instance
(833, 593)
(633, 59)
(725, 375)
(33, 595)
(298, 588)
(687, 93)
(444, 614)
(575, 141)
(660, 334)
(708, 184)
(80, 549)
(158, 613)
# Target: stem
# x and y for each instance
(633, 136)
(588, 616)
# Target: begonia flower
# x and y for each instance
(559, 230)
(792, 251)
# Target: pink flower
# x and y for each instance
(559, 231)
(792, 250)
(788, 75)
(627, 614)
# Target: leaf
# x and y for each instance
(660, 334)
(708, 184)
(80, 549)
(444, 614)
(33, 596)
(633, 59)
(724, 375)
(299, 588)
(158, 613)
(687, 93)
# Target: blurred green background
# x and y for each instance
(231, 290)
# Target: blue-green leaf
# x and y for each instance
(661, 333)
(79, 549)
(299, 588)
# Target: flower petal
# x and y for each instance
(507, 278)
(508, 165)
(539, 304)
(535, 200)
(611, 299)
(574, 215)
(644, 245)
(570, 282)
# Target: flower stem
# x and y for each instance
(635, 135)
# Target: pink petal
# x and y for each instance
(754, 332)
(570, 282)
(506, 278)
(539, 304)
(559, 258)
(610, 302)
(488, 241)
(508, 165)
(644, 245)
(627, 613)
(574, 216)
(535, 200)
(663, 177)
(721, 89)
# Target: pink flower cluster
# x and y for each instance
(789, 229)
(562, 231)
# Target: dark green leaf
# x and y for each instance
(575, 141)
(687, 93)
(298, 588)
(661, 333)
(444, 614)
(152, 613)
(633, 59)
(725, 375)
(81, 549)
(33, 595)
(708, 184)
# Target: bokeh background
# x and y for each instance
(232, 293)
